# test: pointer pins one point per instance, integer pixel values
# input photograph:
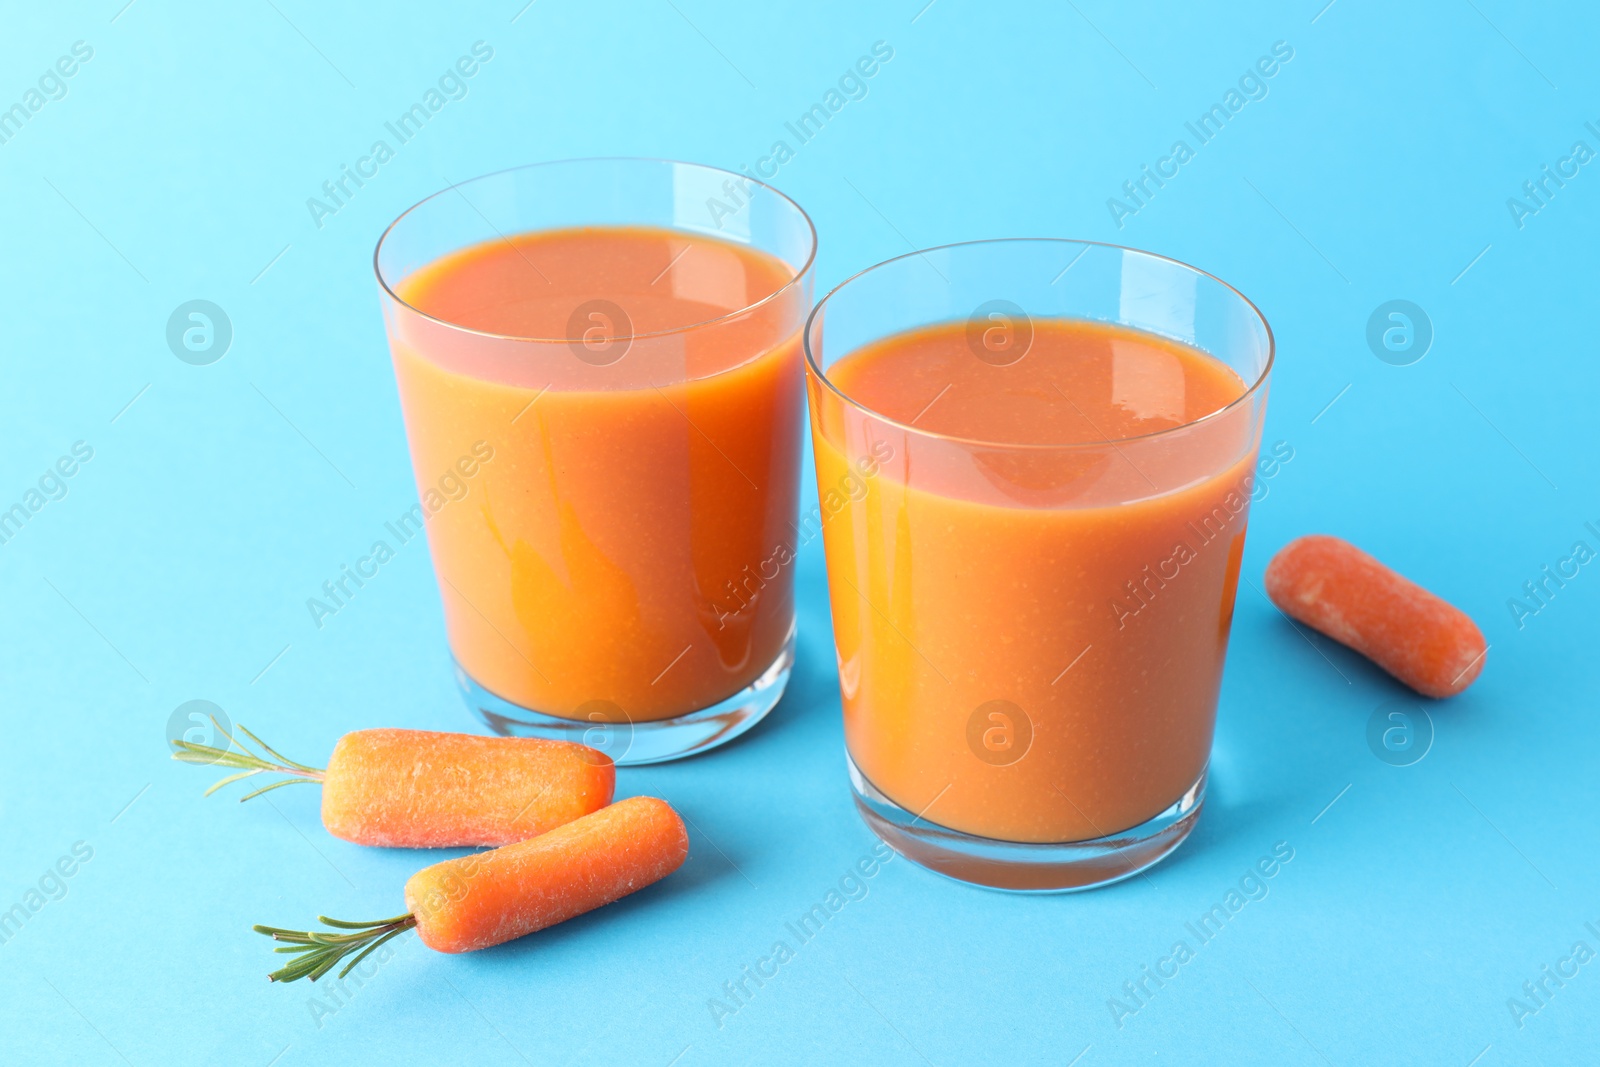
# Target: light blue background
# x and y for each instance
(177, 567)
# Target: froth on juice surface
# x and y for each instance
(1032, 600)
(639, 389)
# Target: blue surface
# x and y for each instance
(176, 567)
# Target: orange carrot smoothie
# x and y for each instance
(1031, 601)
(639, 389)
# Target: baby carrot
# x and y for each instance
(419, 789)
(474, 902)
(1334, 587)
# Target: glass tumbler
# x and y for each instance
(599, 368)
(1031, 636)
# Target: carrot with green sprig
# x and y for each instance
(477, 901)
(420, 789)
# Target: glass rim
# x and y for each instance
(814, 366)
(797, 277)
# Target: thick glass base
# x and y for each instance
(1026, 867)
(632, 743)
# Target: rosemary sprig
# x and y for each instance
(317, 952)
(248, 761)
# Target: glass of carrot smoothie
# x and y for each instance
(1036, 459)
(599, 367)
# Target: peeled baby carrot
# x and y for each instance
(1335, 588)
(419, 789)
(474, 902)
